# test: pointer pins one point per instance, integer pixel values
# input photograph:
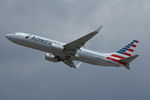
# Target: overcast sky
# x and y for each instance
(25, 75)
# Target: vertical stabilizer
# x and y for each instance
(124, 55)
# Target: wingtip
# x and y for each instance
(99, 28)
(78, 65)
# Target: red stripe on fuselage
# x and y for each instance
(117, 56)
(27, 37)
(116, 60)
(112, 59)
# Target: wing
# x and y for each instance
(71, 64)
(77, 44)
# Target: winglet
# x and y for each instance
(78, 65)
(99, 29)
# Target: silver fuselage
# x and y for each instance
(56, 48)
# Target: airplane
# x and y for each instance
(75, 50)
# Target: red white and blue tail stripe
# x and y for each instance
(128, 49)
(124, 52)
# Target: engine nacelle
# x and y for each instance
(51, 57)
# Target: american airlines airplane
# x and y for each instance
(74, 51)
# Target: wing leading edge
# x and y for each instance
(72, 47)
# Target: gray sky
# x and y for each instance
(25, 75)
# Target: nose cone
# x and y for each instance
(8, 36)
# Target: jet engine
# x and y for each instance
(51, 57)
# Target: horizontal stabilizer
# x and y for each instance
(129, 59)
(127, 67)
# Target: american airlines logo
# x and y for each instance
(37, 39)
(27, 37)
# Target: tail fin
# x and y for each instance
(128, 49)
(124, 55)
